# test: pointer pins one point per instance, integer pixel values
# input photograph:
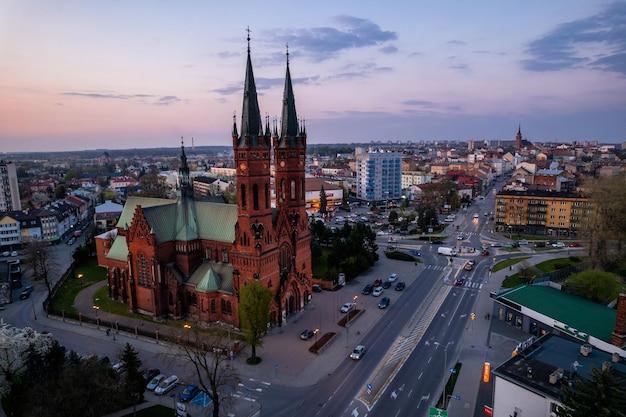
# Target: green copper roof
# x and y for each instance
(184, 220)
(585, 316)
(212, 276)
(119, 249)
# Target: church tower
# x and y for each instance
(292, 224)
(518, 138)
(252, 150)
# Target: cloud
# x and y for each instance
(460, 67)
(489, 52)
(570, 44)
(323, 43)
(389, 49)
(141, 98)
(421, 103)
(456, 42)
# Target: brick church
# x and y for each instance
(186, 258)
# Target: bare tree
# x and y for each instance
(210, 357)
(39, 261)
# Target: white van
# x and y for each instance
(443, 250)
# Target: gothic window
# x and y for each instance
(170, 298)
(213, 306)
(282, 190)
(188, 298)
(243, 196)
(223, 306)
(267, 196)
(285, 258)
(302, 190)
(293, 190)
(224, 256)
(229, 308)
(255, 196)
(194, 299)
(143, 271)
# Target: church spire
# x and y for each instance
(183, 173)
(289, 119)
(251, 123)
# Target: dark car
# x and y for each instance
(307, 334)
(437, 242)
(384, 302)
(26, 293)
(400, 286)
(484, 253)
(316, 288)
(386, 284)
(540, 244)
(150, 373)
(459, 281)
(189, 392)
(368, 289)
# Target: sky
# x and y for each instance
(83, 74)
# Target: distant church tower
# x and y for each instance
(518, 138)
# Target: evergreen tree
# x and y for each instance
(133, 385)
(323, 202)
(602, 395)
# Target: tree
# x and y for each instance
(39, 260)
(602, 395)
(60, 191)
(133, 385)
(210, 358)
(254, 314)
(323, 202)
(393, 217)
(153, 185)
(606, 224)
(595, 285)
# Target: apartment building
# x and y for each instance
(538, 212)
(9, 188)
(378, 174)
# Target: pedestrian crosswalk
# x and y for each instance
(471, 285)
(435, 267)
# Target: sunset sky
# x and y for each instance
(77, 75)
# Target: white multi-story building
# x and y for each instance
(9, 189)
(378, 174)
(410, 178)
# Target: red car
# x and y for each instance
(574, 245)
(485, 253)
(377, 283)
(468, 267)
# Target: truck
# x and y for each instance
(443, 250)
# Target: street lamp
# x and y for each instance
(80, 279)
(445, 366)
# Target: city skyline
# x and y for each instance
(80, 75)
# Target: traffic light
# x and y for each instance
(486, 371)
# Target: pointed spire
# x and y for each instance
(251, 124)
(235, 134)
(183, 172)
(289, 119)
(519, 129)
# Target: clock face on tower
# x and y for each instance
(242, 166)
(282, 163)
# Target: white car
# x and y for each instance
(166, 385)
(392, 278)
(476, 215)
(346, 307)
(154, 382)
(558, 245)
(377, 291)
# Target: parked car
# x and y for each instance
(118, 367)
(574, 245)
(166, 385)
(384, 302)
(26, 292)
(367, 289)
(346, 307)
(14, 253)
(154, 382)
(189, 392)
(377, 282)
(392, 277)
(523, 242)
(307, 334)
(459, 281)
(400, 286)
(358, 352)
(150, 373)
(436, 242)
(540, 244)
(316, 288)
(6, 253)
(415, 252)
(497, 245)
(558, 245)
(377, 291)
(386, 284)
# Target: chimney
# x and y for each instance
(618, 337)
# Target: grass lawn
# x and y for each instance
(508, 262)
(319, 266)
(84, 275)
(154, 411)
(554, 264)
